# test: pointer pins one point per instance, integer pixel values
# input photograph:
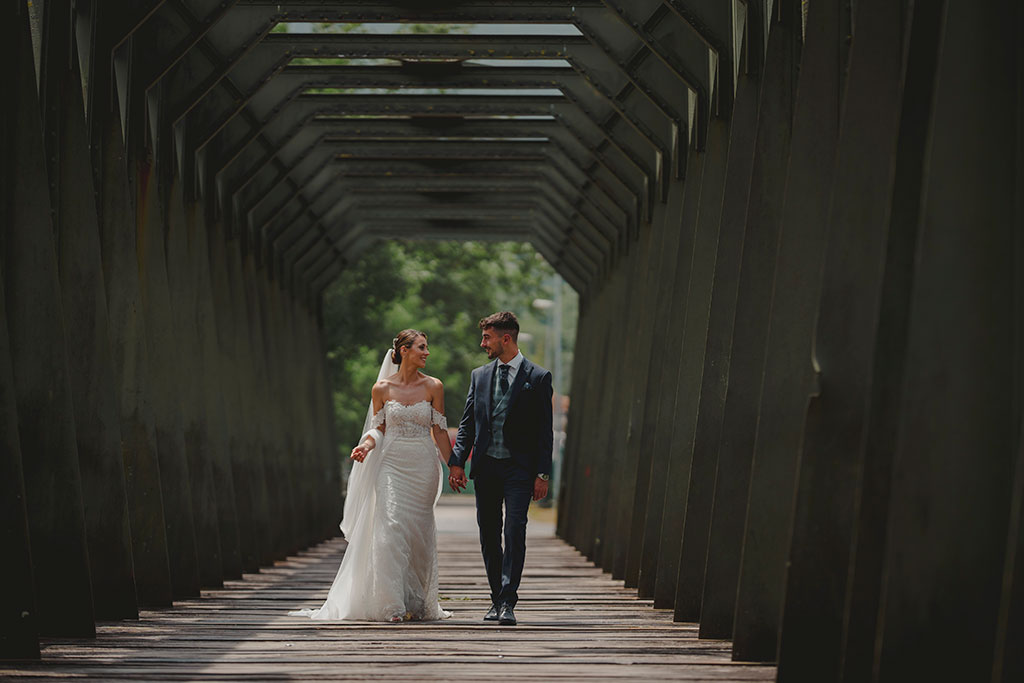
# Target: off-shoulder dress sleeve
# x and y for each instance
(437, 418)
(378, 418)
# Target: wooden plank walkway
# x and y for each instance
(574, 623)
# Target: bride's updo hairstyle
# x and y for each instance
(404, 339)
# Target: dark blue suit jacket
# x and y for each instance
(527, 423)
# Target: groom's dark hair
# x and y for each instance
(504, 322)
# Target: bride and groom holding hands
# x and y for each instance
(389, 571)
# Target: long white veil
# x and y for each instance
(360, 494)
(352, 593)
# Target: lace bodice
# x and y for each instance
(412, 421)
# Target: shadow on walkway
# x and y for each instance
(575, 622)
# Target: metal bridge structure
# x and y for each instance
(797, 233)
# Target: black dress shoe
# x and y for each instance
(507, 617)
(492, 614)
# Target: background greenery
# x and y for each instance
(442, 289)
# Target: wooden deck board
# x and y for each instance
(575, 623)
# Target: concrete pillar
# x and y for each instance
(165, 383)
(573, 461)
(666, 355)
(956, 441)
(753, 303)
(1009, 659)
(252, 446)
(90, 365)
(789, 374)
(684, 381)
(211, 397)
(654, 352)
(594, 503)
(707, 408)
(283, 425)
(297, 417)
(576, 465)
(329, 453)
(1009, 664)
(19, 629)
(246, 459)
(635, 463)
(613, 505)
(275, 456)
(130, 360)
(184, 298)
(35, 321)
(855, 368)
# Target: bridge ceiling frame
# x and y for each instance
(245, 124)
(792, 417)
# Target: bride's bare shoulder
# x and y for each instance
(381, 388)
(432, 382)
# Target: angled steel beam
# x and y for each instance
(550, 249)
(471, 12)
(475, 189)
(396, 159)
(601, 230)
(452, 129)
(275, 49)
(369, 230)
(291, 81)
(332, 268)
(421, 46)
(678, 53)
(318, 108)
(478, 205)
(197, 32)
(398, 208)
(532, 167)
(298, 229)
(615, 44)
(324, 106)
(288, 87)
(714, 21)
(127, 23)
(583, 52)
(371, 223)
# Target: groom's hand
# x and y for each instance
(540, 489)
(457, 478)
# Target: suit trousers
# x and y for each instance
(502, 482)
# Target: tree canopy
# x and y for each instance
(442, 289)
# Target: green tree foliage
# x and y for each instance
(442, 289)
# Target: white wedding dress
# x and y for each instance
(390, 567)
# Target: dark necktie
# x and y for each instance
(503, 379)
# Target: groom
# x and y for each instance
(507, 427)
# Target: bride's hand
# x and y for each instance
(360, 451)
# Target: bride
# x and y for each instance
(389, 571)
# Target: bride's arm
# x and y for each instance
(438, 431)
(371, 438)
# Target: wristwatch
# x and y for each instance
(542, 476)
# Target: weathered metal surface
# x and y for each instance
(86, 324)
(19, 624)
(739, 244)
(950, 528)
(847, 363)
(645, 537)
(41, 382)
(788, 378)
(750, 329)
